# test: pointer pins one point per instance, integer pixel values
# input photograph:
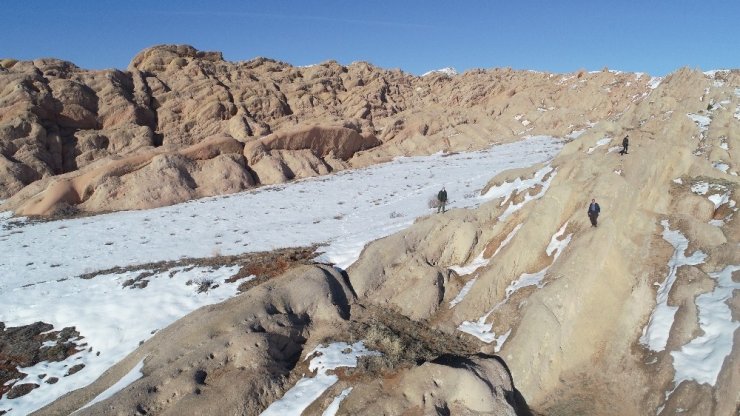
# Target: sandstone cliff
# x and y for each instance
(63, 122)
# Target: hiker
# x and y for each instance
(593, 212)
(625, 145)
(442, 198)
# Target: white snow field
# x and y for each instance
(111, 318)
(41, 261)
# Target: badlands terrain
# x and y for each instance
(198, 236)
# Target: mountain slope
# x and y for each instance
(635, 316)
(117, 129)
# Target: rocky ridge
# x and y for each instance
(119, 138)
(569, 307)
(576, 312)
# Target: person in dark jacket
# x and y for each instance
(593, 212)
(442, 198)
(625, 144)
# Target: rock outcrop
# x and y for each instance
(58, 119)
(573, 309)
(635, 316)
(245, 353)
(149, 179)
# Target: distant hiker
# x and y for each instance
(593, 212)
(625, 145)
(442, 198)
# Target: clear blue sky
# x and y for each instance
(656, 37)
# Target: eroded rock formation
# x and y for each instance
(58, 119)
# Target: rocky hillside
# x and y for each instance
(636, 316)
(516, 306)
(79, 140)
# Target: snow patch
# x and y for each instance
(599, 143)
(717, 223)
(449, 71)
(678, 181)
(713, 73)
(333, 407)
(482, 330)
(121, 384)
(507, 239)
(654, 82)
(475, 265)
(308, 389)
(507, 189)
(721, 166)
(700, 188)
(701, 121)
(575, 134)
(719, 199)
(719, 193)
(656, 332)
(701, 359)
(463, 292)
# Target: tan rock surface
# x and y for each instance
(573, 339)
(241, 355)
(58, 118)
(148, 179)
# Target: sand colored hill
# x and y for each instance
(635, 316)
(572, 308)
(241, 355)
(59, 119)
(517, 307)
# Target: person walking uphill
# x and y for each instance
(442, 198)
(593, 212)
(625, 144)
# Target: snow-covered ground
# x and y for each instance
(41, 261)
(700, 359)
(716, 193)
(333, 407)
(111, 316)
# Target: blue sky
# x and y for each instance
(657, 37)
